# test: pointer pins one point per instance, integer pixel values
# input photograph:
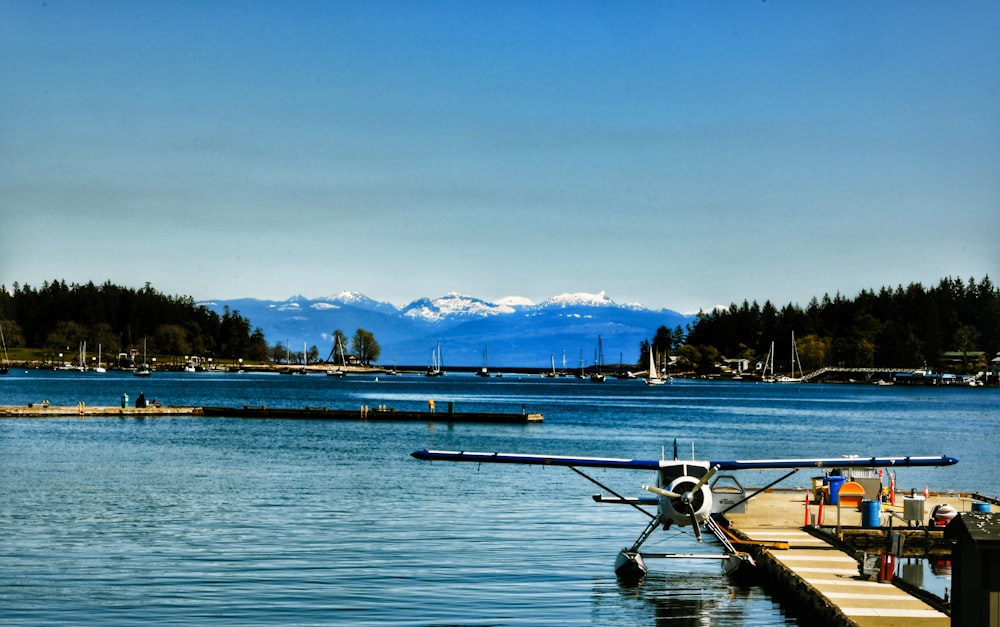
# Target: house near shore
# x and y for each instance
(957, 358)
(738, 366)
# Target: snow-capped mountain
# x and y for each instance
(600, 299)
(453, 305)
(515, 301)
(518, 332)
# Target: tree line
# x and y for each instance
(954, 325)
(58, 316)
(910, 326)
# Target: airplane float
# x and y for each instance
(684, 494)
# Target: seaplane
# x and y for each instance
(683, 495)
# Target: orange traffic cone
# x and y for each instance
(805, 523)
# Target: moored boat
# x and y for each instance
(654, 377)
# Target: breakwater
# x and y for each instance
(379, 413)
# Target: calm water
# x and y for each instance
(227, 521)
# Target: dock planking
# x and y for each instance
(92, 411)
(819, 576)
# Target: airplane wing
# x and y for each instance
(835, 462)
(539, 460)
(654, 464)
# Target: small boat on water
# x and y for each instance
(144, 370)
(392, 372)
(654, 377)
(485, 370)
(769, 376)
(791, 378)
(622, 373)
(435, 369)
(339, 371)
(99, 368)
(82, 365)
(551, 374)
(598, 375)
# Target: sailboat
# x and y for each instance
(5, 368)
(767, 374)
(340, 371)
(435, 368)
(100, 365)
(144, 370)
(598, 376)
(485, 370)
(393, 372)
(82, 366)
(622, 373)
(305, 360)
(551, 373)
(791, 378)
(654, 378)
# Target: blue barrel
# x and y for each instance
(870, 511)
(835, 481)
(980, 507)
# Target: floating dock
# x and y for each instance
(372, 414)
(82, 410)
(820, 575)
(382, 414)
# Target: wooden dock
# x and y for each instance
(381, 414)
(819, 575)
(83, 410)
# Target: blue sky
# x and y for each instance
(676, 154)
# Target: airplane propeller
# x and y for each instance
(705, 479)
(687, 497)
(661, 492)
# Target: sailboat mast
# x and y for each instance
(4, 369)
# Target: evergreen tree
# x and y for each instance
(901, 327)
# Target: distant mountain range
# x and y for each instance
(512, 331)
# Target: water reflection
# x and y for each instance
(690, 599)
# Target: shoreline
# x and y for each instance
(834, 376)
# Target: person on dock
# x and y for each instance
(140, 400)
